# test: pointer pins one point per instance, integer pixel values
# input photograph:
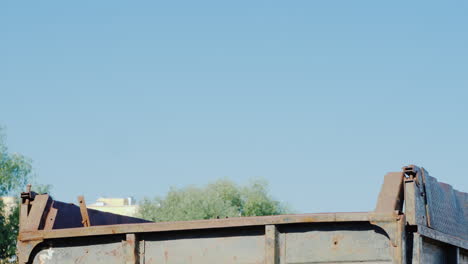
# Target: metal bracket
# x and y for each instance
(396, 234)
(84, 212)
(24, 249)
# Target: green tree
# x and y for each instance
(220, 199)
(8, 232)
(15, 171)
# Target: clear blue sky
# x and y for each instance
(321, 98)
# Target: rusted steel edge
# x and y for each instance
(442, 237)
(391, 193)
(207, 224)
(84, 211)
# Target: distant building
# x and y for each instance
(9, 203)
(122, 206)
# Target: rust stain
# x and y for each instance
(79, 259)
(310, 219)
(336, 240)
(114, 252)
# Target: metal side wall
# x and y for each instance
(346, 242)
(417, 220)
(437, 218)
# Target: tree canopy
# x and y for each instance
(220, 199)
(15, 171)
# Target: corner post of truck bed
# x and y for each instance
(415, 196)
(33, 216)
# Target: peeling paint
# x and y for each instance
(47, 255)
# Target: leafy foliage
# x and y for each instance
(220, 199)
(15, 170)
(41, 188)
(8, 232)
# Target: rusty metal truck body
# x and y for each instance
(416, 220)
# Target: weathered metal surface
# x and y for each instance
(435, 252)
(396, 232)
(416, 249)
(25, 249)
(420, 234)
(447, 208)
(50, 219)
(271, 244)
(206, 224)
(335, 242)
(36, 214)
(462, 256)
(391, 194)
(238, 245)
(130, 248)
(84, 212)
(327, 242)
(414, 197)
(442, 237)
(81, 252)
(42, 212)
(437, 218)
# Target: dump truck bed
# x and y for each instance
(404, 228)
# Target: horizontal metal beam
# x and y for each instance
(206, 224)
(442, 237)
